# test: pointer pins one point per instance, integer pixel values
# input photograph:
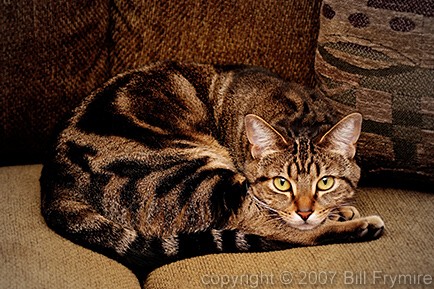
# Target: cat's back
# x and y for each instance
(145, 137)
(164, 98)
(173, 109)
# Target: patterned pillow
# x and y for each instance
(377, 57)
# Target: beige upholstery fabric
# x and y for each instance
(32, 256)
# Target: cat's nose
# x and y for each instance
(304, 214)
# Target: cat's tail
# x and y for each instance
(80, 223)
(150, 253)
(140, 253)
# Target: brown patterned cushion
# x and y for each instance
(280, 35)
(377, 57)
(53, 54)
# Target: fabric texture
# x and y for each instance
(33, 256)
(277, 35)
(53, 55)
(377, 57)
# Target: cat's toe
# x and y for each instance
(363, 230)
(377, 227)
(371, 228)
(344, 213)
(378, 233)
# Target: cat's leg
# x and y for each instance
(344, 213)
(80, 223)
(360, 229)
(354, 229)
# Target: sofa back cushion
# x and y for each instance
(279, 35)
(56, 53)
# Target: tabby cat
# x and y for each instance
(178, 160)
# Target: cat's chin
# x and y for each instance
(305, 226)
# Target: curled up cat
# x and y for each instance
(178, 160)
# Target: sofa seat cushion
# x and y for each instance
(405, 251)
(33, 256)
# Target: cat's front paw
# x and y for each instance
(344, 213)
(370, 228)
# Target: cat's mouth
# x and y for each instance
(304, 225)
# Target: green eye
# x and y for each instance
(325, 183)
(282, 184)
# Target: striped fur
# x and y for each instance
(164, 163)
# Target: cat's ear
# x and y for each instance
(343, 136)
(262, 136)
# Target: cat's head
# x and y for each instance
(301, 181)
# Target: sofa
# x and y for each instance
(372, 56)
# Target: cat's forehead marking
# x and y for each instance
(303, 157)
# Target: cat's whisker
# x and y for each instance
(261, 203)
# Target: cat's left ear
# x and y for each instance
(343, 136)
(262, 136)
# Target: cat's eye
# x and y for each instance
(282, 184)
(326, 183)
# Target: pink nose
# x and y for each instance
(304, 215)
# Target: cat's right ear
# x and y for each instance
(262, 136)
(343, 136)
